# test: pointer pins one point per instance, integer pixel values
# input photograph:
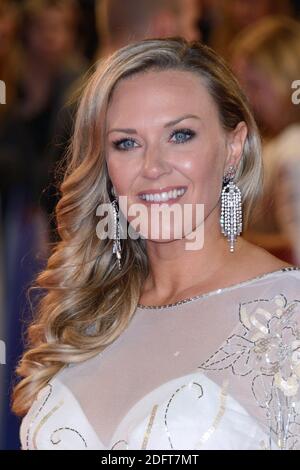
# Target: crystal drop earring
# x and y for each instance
(231, 208)
(116, 233)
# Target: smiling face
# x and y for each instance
(164, 133)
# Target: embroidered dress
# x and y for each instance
(219, 370)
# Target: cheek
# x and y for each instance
(204, 171)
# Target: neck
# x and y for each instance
(174, 269)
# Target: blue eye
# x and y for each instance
(184, 135)
(117, 144)
(128, 143)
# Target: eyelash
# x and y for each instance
(185, 131)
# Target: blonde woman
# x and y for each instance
(140, 341)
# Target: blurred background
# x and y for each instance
(47, 47)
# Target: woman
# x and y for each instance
(140, 341)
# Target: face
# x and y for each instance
(153, 147)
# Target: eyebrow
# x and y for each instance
(168, 124)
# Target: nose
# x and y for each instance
(155, 164)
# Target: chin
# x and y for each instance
(168, 234)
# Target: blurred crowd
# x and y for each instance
(46, 49)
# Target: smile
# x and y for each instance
(163, 196)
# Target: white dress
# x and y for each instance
(219, 370)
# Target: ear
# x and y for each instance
(235, 144)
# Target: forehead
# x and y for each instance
(154, 93)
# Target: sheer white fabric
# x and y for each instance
(218, 371)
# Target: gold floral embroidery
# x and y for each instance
(43, 421)
(207, 434)
(149, 427)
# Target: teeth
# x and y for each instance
(163, 197)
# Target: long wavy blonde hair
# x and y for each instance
(86, 302)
